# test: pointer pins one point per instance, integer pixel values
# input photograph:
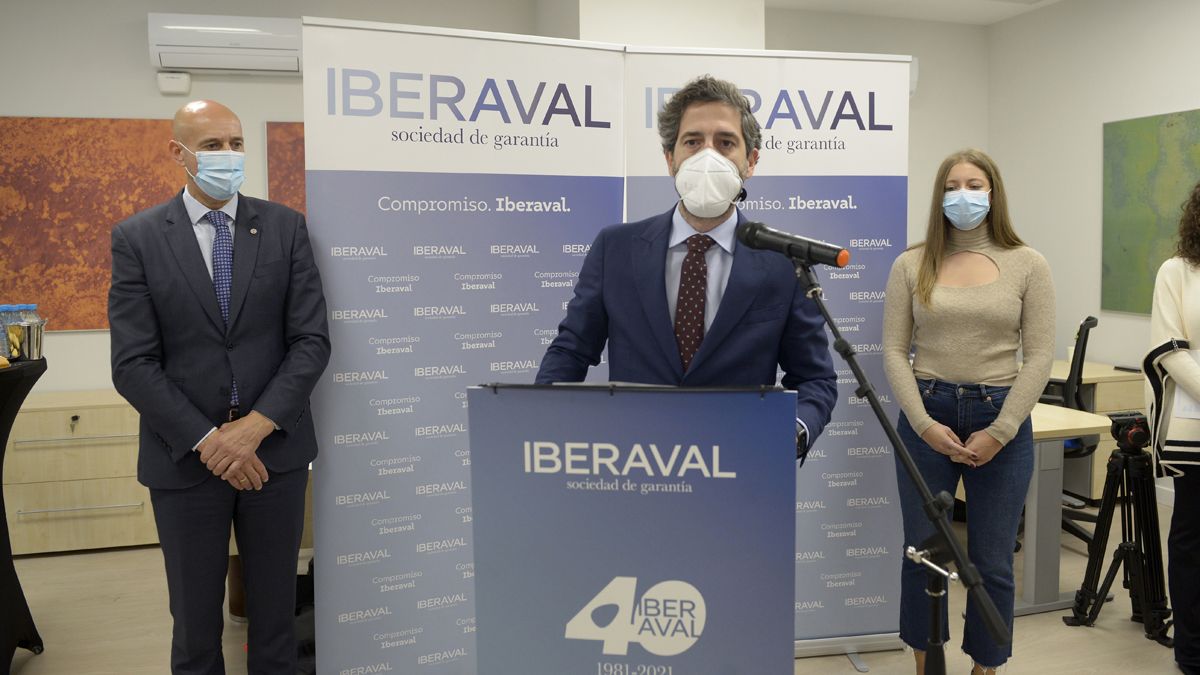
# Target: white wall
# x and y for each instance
(557, 18)
(950, 108)
(1033, 90)
(81, 58)
(90, 59)
(1057, 75)
(736, 24)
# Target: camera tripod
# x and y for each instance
(1130, 481)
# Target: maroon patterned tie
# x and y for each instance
(689, 306)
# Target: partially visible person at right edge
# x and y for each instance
(966, 300)
(1175, 315)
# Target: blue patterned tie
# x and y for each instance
(222, 270)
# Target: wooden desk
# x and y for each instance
(1104, 390)
(1054, 423)
(1043, 505)
(1093, 373)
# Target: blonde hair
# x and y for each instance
(934, 246)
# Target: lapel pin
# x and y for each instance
(254, 230)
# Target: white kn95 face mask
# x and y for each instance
(708, 183)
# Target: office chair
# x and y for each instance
(1069, 394)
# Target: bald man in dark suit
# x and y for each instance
(219, 335)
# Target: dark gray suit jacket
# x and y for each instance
(172, 357)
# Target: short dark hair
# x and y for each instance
(707, 89)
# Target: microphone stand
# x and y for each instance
(941, 548)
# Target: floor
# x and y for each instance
(105, 613)
(1041, 642)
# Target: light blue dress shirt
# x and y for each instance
(720, 262)
(719, 259)
(200, 225)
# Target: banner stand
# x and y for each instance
(851, 646)
(455, 180)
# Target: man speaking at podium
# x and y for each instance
(677, 299)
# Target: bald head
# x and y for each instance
(203, 126)
(199, 118)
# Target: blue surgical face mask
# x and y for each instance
(218, 173)
(966, 209)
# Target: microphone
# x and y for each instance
(810, 251)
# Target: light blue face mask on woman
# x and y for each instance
(966, 209)
(218, 173)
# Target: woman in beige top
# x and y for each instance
(964, 302)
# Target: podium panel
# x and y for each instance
(623, 530)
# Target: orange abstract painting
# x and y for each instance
(285, 163)
(64, 183)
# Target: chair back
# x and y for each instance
(1073, 386)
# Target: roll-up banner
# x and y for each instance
(833, 166)
(455, 182)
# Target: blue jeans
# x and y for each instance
(995, 499)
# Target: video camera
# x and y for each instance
(1131, 429)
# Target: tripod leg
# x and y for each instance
(1137, 585)
(1086, 596)
(1151, 585)
(1121, 555)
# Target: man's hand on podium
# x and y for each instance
(801, 442)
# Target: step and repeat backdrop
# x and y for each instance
(455, 182)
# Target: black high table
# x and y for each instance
(16, 623)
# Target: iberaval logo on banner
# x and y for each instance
(871, 244)
(438, 251)
(666, 620)
(514, 250)
(362, 315)
(371, 252)
(360, 377)
(867, 297)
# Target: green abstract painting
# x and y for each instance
(1150, 167)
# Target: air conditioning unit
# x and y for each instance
(203, 43)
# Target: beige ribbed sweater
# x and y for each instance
(971, 335)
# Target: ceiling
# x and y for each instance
(976, 12)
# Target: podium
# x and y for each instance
(16, 623)
(632, 529)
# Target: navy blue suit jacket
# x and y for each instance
(764, 322)
(174, 360)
